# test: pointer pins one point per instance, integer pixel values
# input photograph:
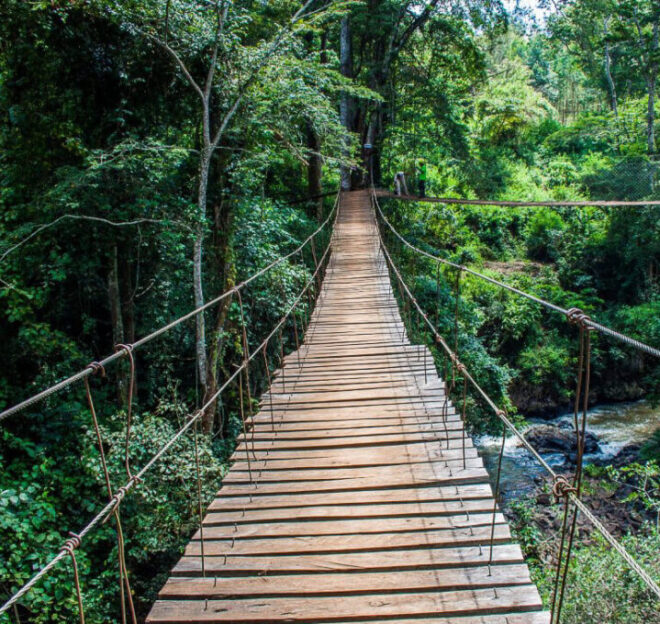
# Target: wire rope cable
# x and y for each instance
(523, 204)
(86, 372)
(626, 556)
(599, 327)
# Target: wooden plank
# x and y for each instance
(315, 544)
(421, 420)
(258, 500)
(246, 488)
(346, 441)
(433, 450)
(418, 404)
(385, 561)
(416, 413)
(404, 372)
(430, 429)
(345, 583)
(348, 458)
(317, 609)
(401, 395)
(214, 528)
(417, 471)
(322, 511)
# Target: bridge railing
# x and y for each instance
(125, 349)
(310, 290)
(568, 491)
(569, 313)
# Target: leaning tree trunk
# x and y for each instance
(608, 69)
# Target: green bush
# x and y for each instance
(544, 234)
(601, 586)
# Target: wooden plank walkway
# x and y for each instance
(363, 510)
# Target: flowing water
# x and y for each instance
(615, 425)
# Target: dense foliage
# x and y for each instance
(512, 140)
(154, 154)
(100, 136)
(530, 117)
(600, 585)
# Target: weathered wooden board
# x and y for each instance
(347, 583)
(317, 609)
(233, 498)
(376, 561)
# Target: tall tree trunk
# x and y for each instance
(369, 154)
(127, 295)
(652, 80)
(198, 273)
(650, 114)
(314, 170)
(127, 302)
(223, 217)
(346, 68)
(608, 68)
(649, 55)
(315, 163)
(114, 299)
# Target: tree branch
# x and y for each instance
(222, 16)
(414, 25)
(177, 59)
(14, 288)
(255, 72)
(46, 226)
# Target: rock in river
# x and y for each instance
(551, 439)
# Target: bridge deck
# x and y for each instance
(363, 510)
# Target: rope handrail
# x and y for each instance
(86, 372)
(643, 574)
(568, 313)
(121, 492)
(522, 204)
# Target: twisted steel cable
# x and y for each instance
(599, 327)
(557, 479)
(86, 372)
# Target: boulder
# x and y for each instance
(552, 439)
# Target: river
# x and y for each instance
(615, 425)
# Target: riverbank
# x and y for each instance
(614, 430)
(619, 485)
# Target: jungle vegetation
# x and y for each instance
(155, 153)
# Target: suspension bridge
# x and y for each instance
(364, 501)
(355, 493)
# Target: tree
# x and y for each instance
(374, 37)
(211, 39)
(647, 25)
(594, 28)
